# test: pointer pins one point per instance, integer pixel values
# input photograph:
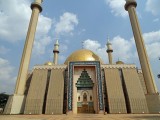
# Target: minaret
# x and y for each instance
(109, 51)
(25, 60)
(145, 65)
(56, 52)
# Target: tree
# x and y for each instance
(3, 99)
(158, 74)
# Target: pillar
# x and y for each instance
(25, 60)
(144, 61)
(56, 52)
(109, 51)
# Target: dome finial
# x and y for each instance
(82, 44)
(108, 40)
(57, 39)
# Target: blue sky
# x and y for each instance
(76, 24)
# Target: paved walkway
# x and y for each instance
(83, 117)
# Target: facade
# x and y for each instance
(84, 84)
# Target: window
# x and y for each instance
(84, 97)
(90, 98)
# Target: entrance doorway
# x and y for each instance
(85, 109)
(86, 106)
(85, 93)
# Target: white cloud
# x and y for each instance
(4, 50)
(117, 7)
(91, 44)
(153, 6)
(7, 79)
(40, 45)
(63, 47)
(66, 24)
(14, 22)
(125, 50)
(44, 26)
(152, 41)
(156, 20)
(121, 47)
(61, 58)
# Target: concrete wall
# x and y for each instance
(115, 95)
(135, 98)
(36, 93)
(54, 103)
(140, 74)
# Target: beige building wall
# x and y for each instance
(135, 95)
(153, 102)
(140, 75)
(116, 100)
(15, 104)
(54, 103)
(8, 106)
(77, 72)
(35, 97)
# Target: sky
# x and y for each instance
(76, 24)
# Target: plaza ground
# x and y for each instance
(83, 117)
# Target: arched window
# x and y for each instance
(90, 98)
(79, 98)
(84, 97)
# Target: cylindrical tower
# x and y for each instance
(144, 61)
(56, 52)
(109, 51)
(25, 60)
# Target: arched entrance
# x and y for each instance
(85, 93)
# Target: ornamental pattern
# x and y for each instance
(84, 81)
(70, 82)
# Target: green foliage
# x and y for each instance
(3, 100)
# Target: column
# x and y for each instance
(144, 61)
(25, 60)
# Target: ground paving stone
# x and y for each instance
(83, 117)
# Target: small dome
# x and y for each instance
(119, 62)
(83, 55)
(48, 63)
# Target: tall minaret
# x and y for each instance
(109, 51)
(25, 60)
(56, 52)
(145, 65)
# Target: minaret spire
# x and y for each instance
(25, 60)
(56, 52)
(145, 65)
(109, 50)
(19, 95)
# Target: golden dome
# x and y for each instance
(83, 55)
(119, 62)
(48, 63)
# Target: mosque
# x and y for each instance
(84, 83)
